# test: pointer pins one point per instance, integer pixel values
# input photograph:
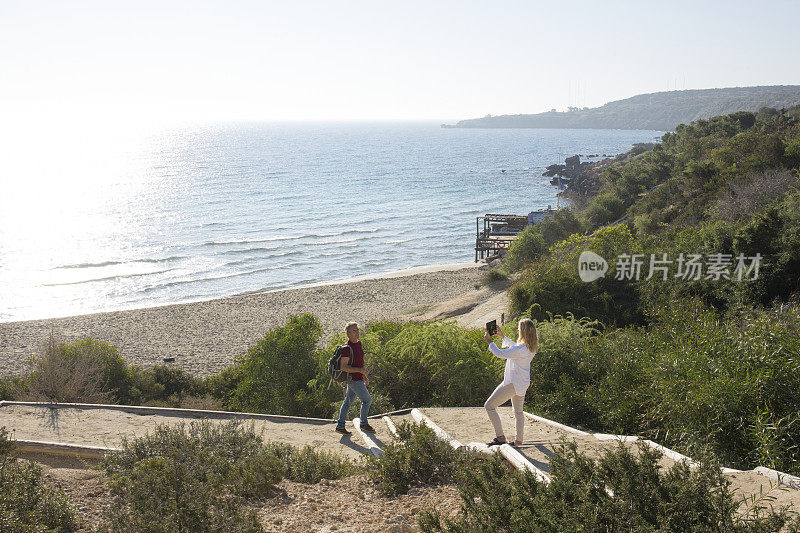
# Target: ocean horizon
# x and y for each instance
(204, 212)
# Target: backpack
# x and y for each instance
(334, 364)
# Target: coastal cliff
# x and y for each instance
(661, 111)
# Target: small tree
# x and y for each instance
(272, 376)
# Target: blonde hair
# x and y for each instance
(350, 326)
(527, 334)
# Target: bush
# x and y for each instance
(86, 371)
(419, 457)
(775, 234)
(26, 503)
(92, 371)
(534, 240)
(693, 379)
(552, 286)
(273, 376)
(307, 465)
(604, 209)
(621, 491)
(431, 364)
(562, 371)
(164, 386)
(493, 276)
(528, 245)
(190, 479)
(13, 388)
(743, 197)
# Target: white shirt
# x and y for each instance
(518, 364)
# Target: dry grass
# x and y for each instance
(750, 194)
(62, 377)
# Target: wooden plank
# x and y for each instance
(174, 411)
(566, 428)
(62, 449)
(391, 426)
(480, 447)
(442, 434)
(621, 438)
(780, 477)
(521, 462)
(374, 449)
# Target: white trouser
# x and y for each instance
(500, 396)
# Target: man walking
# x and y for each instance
(352, 362)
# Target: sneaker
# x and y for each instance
(342, 430)
(367, 428)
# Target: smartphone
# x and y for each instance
(491, 327)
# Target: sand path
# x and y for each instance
(107, 427)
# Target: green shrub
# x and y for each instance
(93, 371)
(190, 479)
(493, 276)
(562, 371)
(552, 285)
(621, 491)
(417, 458)
(430, 364)
(693, 379)
(604, 209)
(273, 375)
(775, 234)
(535, 239)
(307, 465)
(26, 503)
(526, 247)
(165, 386)
(560, 225)
(728, 383)
(13, 388)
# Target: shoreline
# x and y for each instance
(408, 271)
(205, 336)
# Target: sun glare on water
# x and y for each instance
(63, 205)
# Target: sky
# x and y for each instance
(183, 61)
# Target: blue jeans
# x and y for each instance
(355, 388)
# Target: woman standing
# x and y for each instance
(516, 378)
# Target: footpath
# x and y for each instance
(76, 435)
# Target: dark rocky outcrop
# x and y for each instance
(582, 179)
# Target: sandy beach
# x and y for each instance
(204, 337)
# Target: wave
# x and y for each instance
(245, 251)
(112, 263)
(253, 241)
(180, 282)
(106, 278)
(331, 254)
(337, 242)
(295, 237)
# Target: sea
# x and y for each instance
(92, 223)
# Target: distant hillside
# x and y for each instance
(657, 111)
